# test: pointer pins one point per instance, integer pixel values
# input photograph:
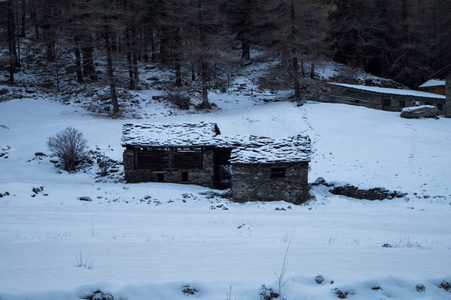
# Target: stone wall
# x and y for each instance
(254, 182)
(388, 102)
(203, 176)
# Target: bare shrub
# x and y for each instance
(179, 98)
(104, 165)
(69, 145)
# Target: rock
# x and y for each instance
(40, 154)
(188, 290)
(343, 294)
(445, 285)
(85, 198)
(319, 279)
(319, 180)
(416, 112)
(420, 288)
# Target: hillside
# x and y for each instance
(151, 240)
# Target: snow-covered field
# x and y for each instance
(149, 240)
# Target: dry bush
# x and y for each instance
(69, 145)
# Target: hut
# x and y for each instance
(256, 168)
(178, 153)
(271, 171)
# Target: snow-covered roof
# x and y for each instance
(294, 149)
(166, 135)
(433, 82)
(247, 148)
(390, 91)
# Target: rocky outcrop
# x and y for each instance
(417, 112)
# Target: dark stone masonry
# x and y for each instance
(270, 182)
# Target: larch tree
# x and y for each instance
(296, 29)
(240, 19)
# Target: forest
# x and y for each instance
(199, 40)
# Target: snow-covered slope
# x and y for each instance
(149, 240)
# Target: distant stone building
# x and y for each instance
(256, 168)
(384, 98)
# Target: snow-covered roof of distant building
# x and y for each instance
(433, 82)
(390, 91)
(294, 149)
(166, 135)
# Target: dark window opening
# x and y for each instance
(402, 103)
(184, 176)
(187, 159)
(440, 106)
(160, 177)
(387, 102)
(277, 172)
(152, 159)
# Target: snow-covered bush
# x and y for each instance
(69, 145)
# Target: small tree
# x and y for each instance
(69, 145)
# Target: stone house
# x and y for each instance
(256, 168)
(272, 171)
(388, 99)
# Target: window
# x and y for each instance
(184, 176)
(152, 159)
(277, 172)
(387, 102)
(402, 103)
(440, 106)
(187, 159)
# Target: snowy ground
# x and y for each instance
(147, 241)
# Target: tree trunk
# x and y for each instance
(294, 60)
(245, 52)
(135, 58)
(164, 45)
(312, 70)
(193, 72)
(24, 7)
(11, 41)
(297, 86)
(204, 74)
(88, 62)
(111, 79)
(129, 60)
(203, 63)
(152, 46)
(177, 63)
(77, 53)
(34, 19)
